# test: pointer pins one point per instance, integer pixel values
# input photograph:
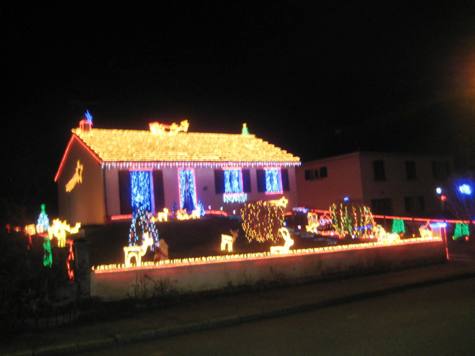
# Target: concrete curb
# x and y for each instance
(153, 334)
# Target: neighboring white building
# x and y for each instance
(388, 183)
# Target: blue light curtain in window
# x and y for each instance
(141, 190)
(233, 181)
(273, 180)
(187, 190)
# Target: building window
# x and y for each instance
(233, 181)
(440, 170)
(233, 186)
(312, 174)
(269, 180)
(187, 189)
(414, 204)
(309, 174)
(379, 172)
(411, 170)
(273, 180)
(323, 172)
(382, 206)
(141, 191)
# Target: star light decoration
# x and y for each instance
(76, 178)
(261, 220)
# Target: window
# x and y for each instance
(273, 180)
(269, 180)
(233, 183)
(414, 204)
(312, 174)
(187, 189)
(141, 190)
(309, 174)
(411, 170)
(378, 169)
(440, 170)
(323, 172)
(381, 206)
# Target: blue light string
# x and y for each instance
(233, 181)
(187, 190)
(141, 190)
(273, 181)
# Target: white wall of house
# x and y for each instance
(205, 189)
(85, 203)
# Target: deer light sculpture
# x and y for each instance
(137, 251)
(288, 242)
(59, 229)
(227, 241)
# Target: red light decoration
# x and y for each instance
(70, 260)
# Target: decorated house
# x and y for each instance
(105, 173)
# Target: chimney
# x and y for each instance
(86, 123)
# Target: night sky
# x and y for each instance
(317, 81)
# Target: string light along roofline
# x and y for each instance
(174, 146)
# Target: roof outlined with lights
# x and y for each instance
(118, 145)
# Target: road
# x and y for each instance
(436, 320)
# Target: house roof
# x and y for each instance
(113, 146)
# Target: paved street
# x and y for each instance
(438, 320)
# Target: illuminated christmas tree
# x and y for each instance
(460, 231)
(42, 223)
(352, 220)
(141, 223)
(262, 220)
(398, 226)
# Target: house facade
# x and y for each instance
(401, 184)
(105, 173)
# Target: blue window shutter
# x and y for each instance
(261, 180)
(285, 180)
(124, 192)
(246, 180)
(158, 190)
(219, 181)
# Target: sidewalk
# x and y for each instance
(226, 310)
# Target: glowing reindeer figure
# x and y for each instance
(59, 228)
(181, 214)
(227, 241)
(313, 223)
(160, 129)
(161, 216)
(137, 251)
(381, 234)
(288, 242)
(425, 231)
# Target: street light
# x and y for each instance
(465, 189)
